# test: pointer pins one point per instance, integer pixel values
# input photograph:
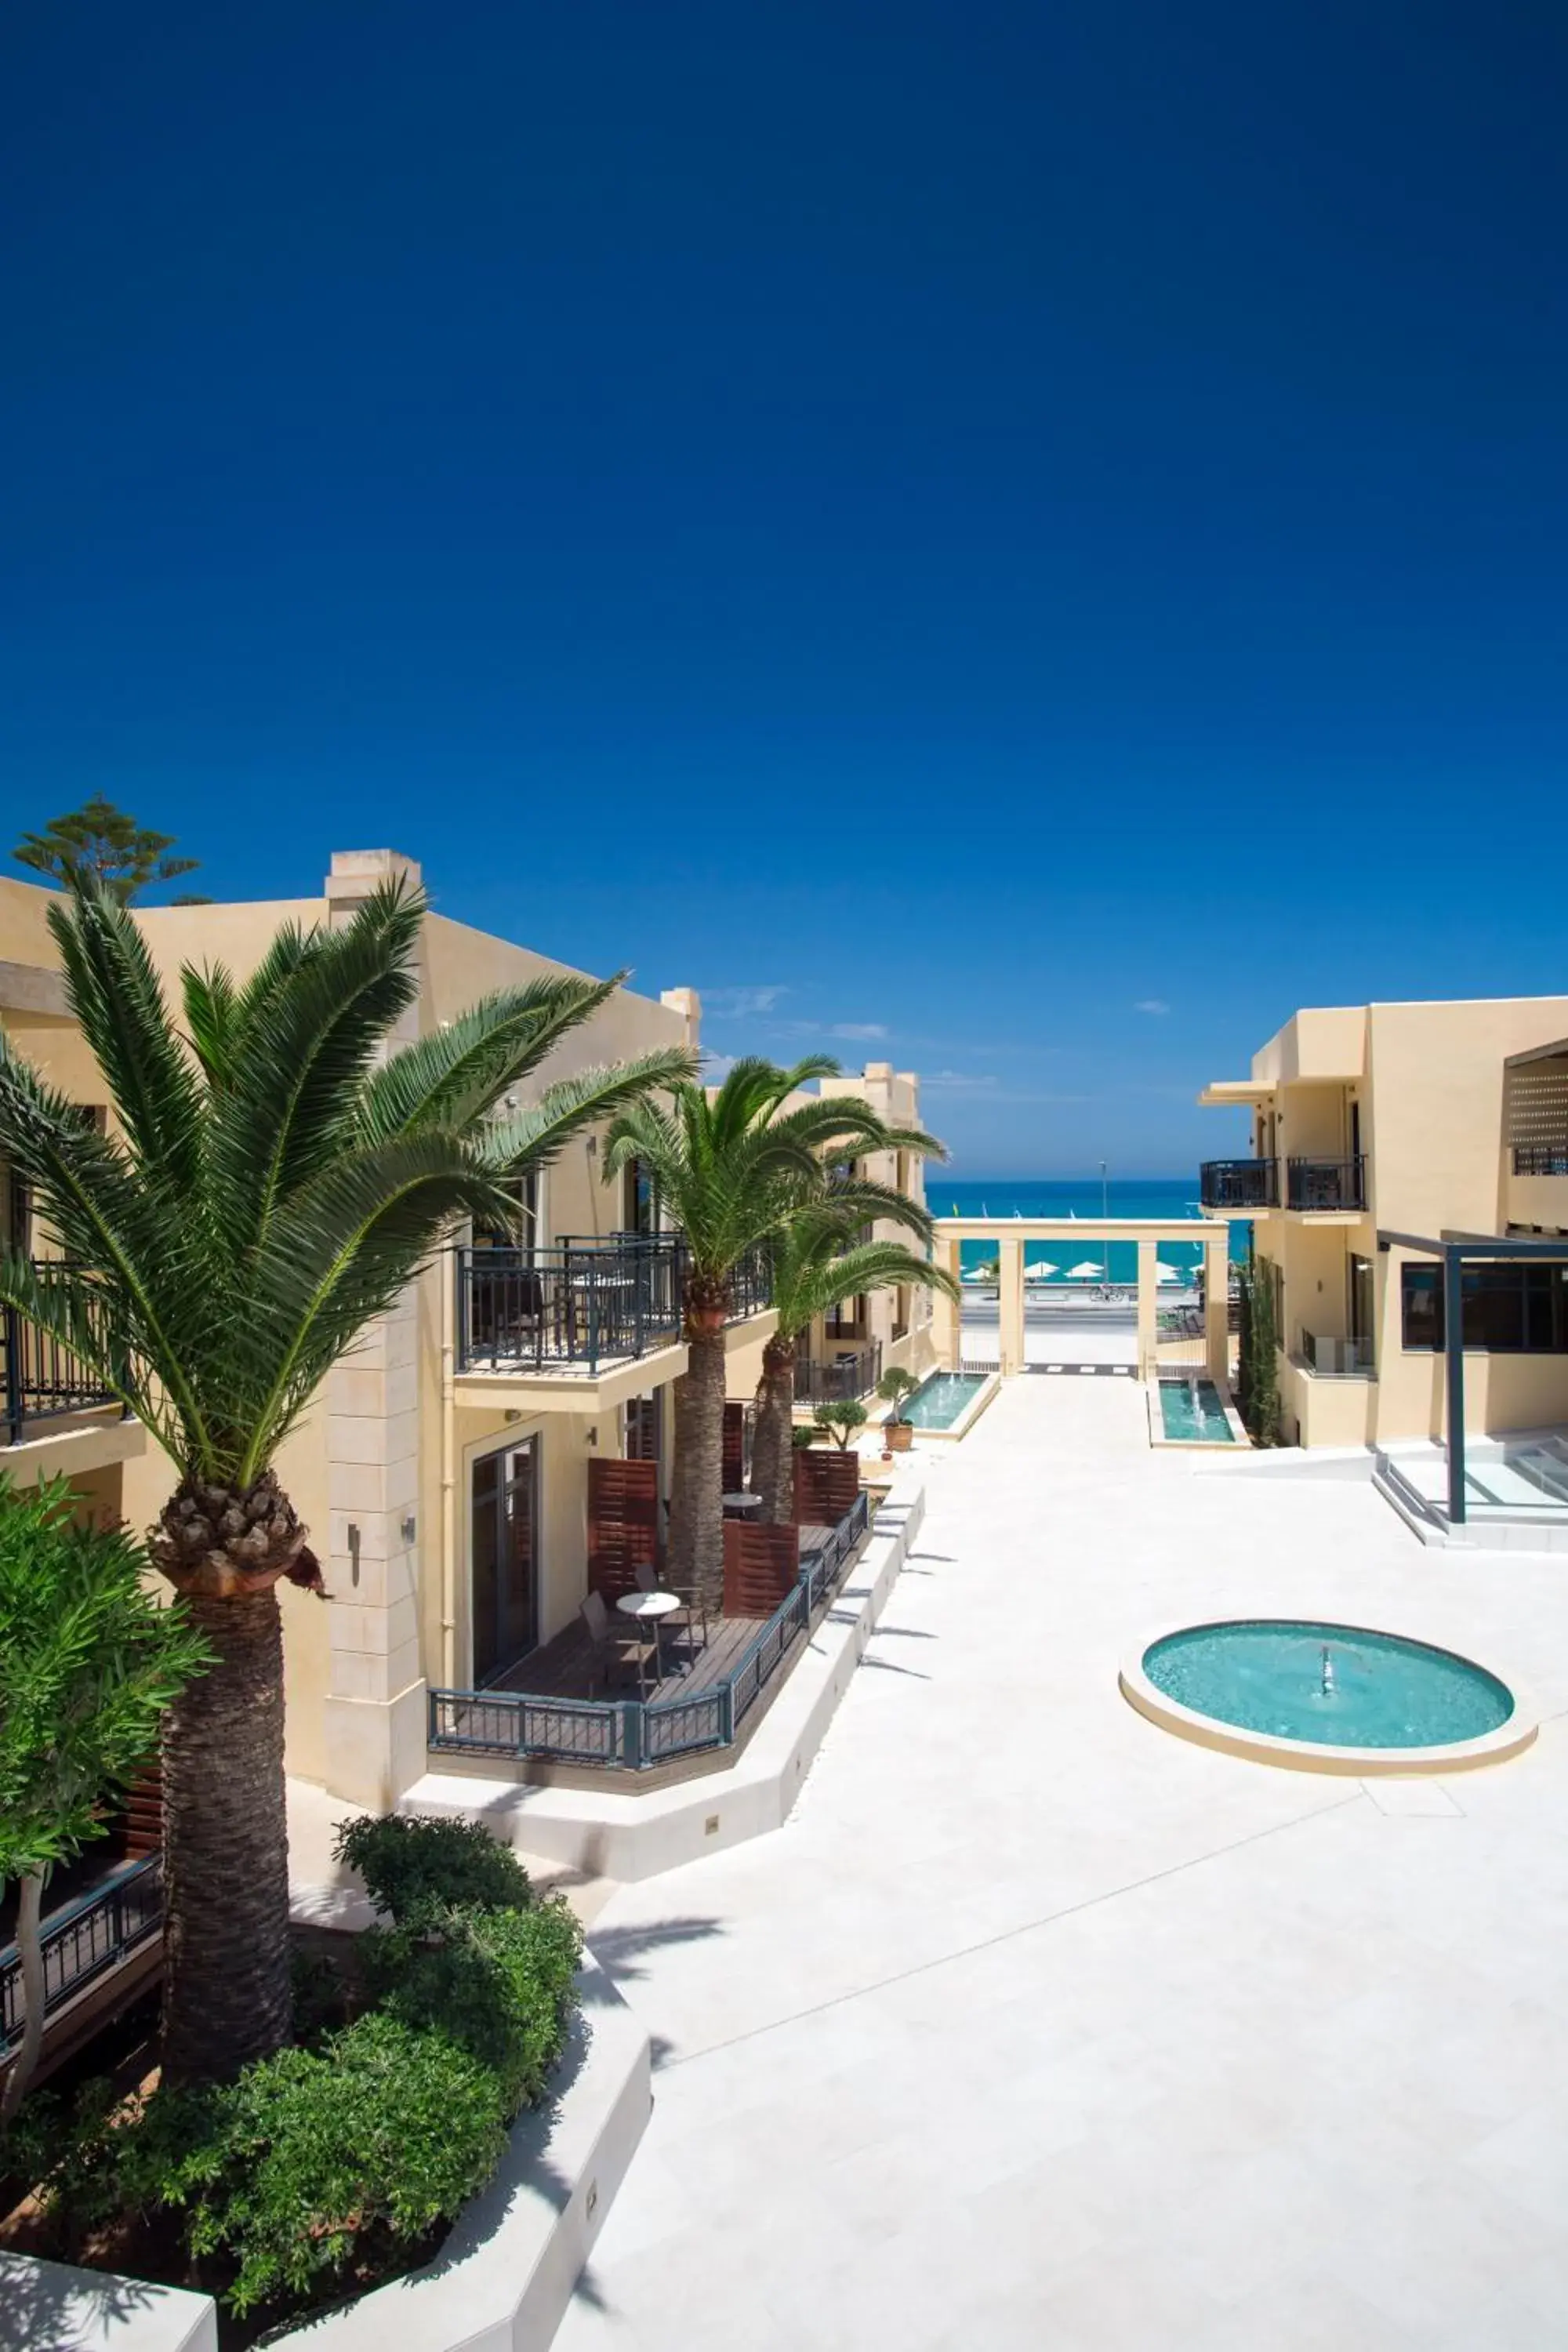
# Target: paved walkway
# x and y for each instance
(1036, 2027)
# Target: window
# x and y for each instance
(1508, 1310)
(845, 1321)
(901, 1310)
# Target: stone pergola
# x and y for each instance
(1006, 1237)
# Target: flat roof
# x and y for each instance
(1552, 1250)
(1219, 1092)
(1557, 1052)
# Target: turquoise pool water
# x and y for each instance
(1376, 1690)
(943, 1398)
(1192, 1409)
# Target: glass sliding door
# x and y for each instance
(503, 1555)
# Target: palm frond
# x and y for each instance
(453, 1077)
(114, 992)
(534, 1137)
(346, 1246)
(810, 1289)
(310, 1038)
(212, 1019)
(113, 1230)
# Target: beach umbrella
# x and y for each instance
(1040, 1271)
(1163, 1273)
(1086, 1272)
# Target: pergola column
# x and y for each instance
(1010, 1305)
(1216, 1309)
(947, 1314)
(1148, 1321)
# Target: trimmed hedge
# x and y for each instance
(414, 1867)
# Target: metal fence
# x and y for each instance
(39, 1379)
(839, 1379)
(85, 1942)
(582, 1302)
(1326, 1183)
(1238, 1183)
(634, 1734)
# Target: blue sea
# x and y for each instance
(1144, 1196)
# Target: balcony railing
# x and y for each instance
(1326, 1183)
(1540, 1159)
(1240, 1185)
(634, 1735)
(1342, 1360)
(841, 1381)
(84, 1942)
(584, 1304)
(39, 1379)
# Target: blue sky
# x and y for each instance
(1027, 540)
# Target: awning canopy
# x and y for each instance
(1222, 1092)
(1455, 1251)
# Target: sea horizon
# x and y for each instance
(1169, 1197)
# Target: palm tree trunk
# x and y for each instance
(773, 1454)
(29, 1908)
(697, 1475)
(226, 1849)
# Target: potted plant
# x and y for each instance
(804, 1435)
(894, 1388)
(841, 1421)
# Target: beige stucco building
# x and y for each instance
(444, 1471)
(1375, 1124)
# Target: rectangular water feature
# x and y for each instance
(942, 1398)
(1192, 1413)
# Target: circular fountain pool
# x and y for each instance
(1326, 1698)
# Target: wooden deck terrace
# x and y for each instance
(564, 1667)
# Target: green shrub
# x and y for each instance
(416, 1868)
(314, 2173)
(500, 1982)
(841, 1421)
(894, 1386)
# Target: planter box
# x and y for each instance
(500, 2284)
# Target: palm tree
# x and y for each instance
(262, 1197)
(734, 1169)
(817, 1264)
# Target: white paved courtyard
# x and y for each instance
(1036, 2027)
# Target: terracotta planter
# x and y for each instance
(900, 1437)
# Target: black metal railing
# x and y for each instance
(1326, 1183)
(634, 1735)
(84, 1942)
(530, 1310)
(841, 1380)
(1540, 1159)
(583, 1303)
(39, 1379)
(1240, 1185)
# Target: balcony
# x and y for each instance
(1326, 1184)
(585, 1305)
(1337, 1359)
(842, 1379)
(1240, 1185)
(40, 1380)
